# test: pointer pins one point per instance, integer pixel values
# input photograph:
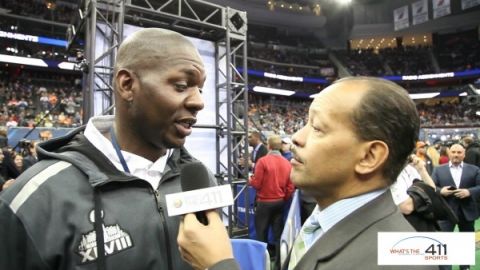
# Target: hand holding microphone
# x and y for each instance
(203, 246)
(202, 237)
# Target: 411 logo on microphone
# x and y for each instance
(199, 200)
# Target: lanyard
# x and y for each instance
(119, 152)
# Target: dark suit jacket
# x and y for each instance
(352, 243)
(470, 180)
(262, 151)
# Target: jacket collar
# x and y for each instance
(75, 148)
(336, 239)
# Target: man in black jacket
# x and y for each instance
(472, 151)
(472, 155)
(259, 150)
(96, 198)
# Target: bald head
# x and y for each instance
(158, 79)
(456, 154)
(148, 47)
(457, 146)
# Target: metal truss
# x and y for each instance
(102, 24)
(104, 20)
(234, 85)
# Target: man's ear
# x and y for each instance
(124, 80)
(374, 154)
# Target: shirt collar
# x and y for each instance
(334, 213)
(451, 165)
(275, 152)
(99, 125)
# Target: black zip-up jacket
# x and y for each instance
(47, 218)
(472, 154)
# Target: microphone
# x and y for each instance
(195, 176)
(197, 195)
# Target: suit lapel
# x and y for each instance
(449, 175)
(347, 229)
(463, 177)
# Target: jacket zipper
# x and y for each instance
(165, 231)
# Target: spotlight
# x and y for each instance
(237, 21)
(473, 100)
(50, 4)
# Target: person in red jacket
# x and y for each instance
(443, 155)
(271, 180)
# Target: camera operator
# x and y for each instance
(2, 171)
(8, 170)
(29, 153)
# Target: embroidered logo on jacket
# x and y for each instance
(116, 240)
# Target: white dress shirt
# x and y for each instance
(456, 172)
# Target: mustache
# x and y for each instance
(293, 149)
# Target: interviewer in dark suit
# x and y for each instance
(459, 183)
(359, 133)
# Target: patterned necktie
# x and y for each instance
(310, 231)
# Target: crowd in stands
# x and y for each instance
(280, 52)
(26, 102)
(282, 115)
(407, 60)
(28, 96)
(458, 51)
(448, 113)
(58, 12)
(454, 52)
(403, 60)
(294, 57)
(362, 62)
(33, 99)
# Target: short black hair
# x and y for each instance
(387, 113)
